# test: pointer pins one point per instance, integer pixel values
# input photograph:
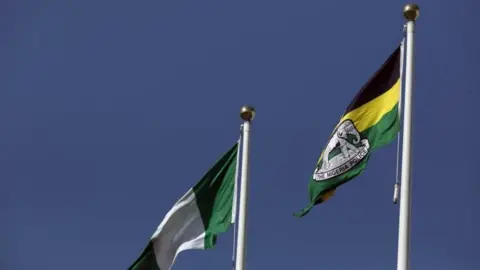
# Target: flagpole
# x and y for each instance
(410, 12)
(247, 114)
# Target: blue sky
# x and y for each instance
(111, 110)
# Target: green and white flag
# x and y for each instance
(196, 219)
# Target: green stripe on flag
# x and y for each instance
(214, 195)
(146, 261)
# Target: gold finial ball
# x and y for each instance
(247, 113)
(411, 12)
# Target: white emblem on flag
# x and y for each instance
(348, 150)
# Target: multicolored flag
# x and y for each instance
(196, 219)
(369, 122)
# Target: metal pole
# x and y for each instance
(247, 114)
(410, 13)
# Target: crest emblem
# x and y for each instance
(344, 150)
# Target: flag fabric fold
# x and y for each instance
(369, 122)
(196, 219)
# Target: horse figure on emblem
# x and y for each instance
(340, 139)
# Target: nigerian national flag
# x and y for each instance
(369, 122)
(196, 219)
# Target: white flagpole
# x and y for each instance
(410, 12)
(235, 196)
(396, 189)
(247, 114)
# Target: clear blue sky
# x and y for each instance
(111, 110)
